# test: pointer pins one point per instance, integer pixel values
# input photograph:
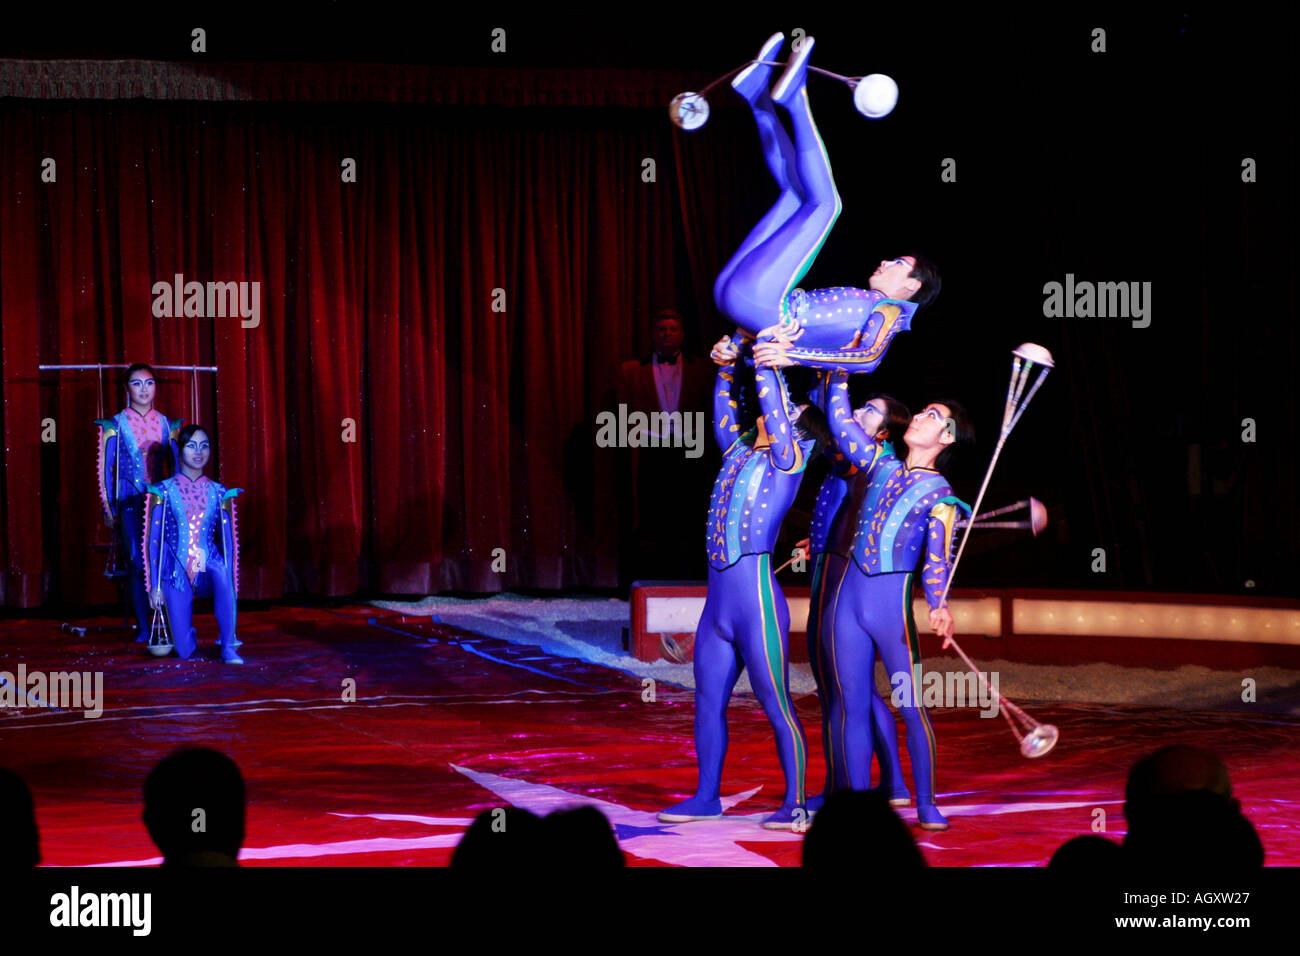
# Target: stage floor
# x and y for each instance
(447, 723)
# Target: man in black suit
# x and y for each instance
(670, 489)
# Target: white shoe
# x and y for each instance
(766, 53)
(796, 72)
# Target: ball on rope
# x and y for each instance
(875, 95)
(689, 110)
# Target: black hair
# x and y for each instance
(897, 418)
(854, 823)
(188, 432)
(963, 432)
(812, 424)
(503, 839)
(931, 281)
(139, 367)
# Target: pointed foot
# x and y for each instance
(795, 76)
(751, 82)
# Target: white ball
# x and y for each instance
(875, 95)
(689, 110)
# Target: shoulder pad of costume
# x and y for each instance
(158, 490)
(954, 500)
(233, 492)
(108, 424)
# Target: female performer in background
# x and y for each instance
(137, 447)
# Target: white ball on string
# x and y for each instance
(689, 110)
(875, 95)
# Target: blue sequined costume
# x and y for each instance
(906, 517)
(191, 544)
(835, 517)
(134, 450)
(746, 622)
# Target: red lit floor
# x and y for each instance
(447, 724)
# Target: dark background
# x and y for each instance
(476, 432)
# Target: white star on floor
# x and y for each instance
(702, 843)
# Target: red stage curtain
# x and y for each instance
(472, 409)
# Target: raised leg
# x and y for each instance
(778, 152)
(778, 253)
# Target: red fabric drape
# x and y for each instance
(393, 417)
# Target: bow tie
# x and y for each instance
(669, 360)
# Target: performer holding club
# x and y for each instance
(192, 547)
(836, 327)
(908, 514)
(746, 622)
(137, 446)
(859, 438)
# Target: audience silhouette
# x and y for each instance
(194, 808)
(1181, 816)
(858, 825)
(21, 847)
(511, 839)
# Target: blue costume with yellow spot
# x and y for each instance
(835, 517)
(746, 622)
(191, 549)
(906, 517)
(134, 450)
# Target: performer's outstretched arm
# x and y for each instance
(108, 467)
(855, 450)
(230, 536)
(778, 416)
(728, 391)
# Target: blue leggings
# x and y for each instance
(130, 538)
(746, 623)
(884, 732)
(180, 601)
(779, 251)
(869, 615)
